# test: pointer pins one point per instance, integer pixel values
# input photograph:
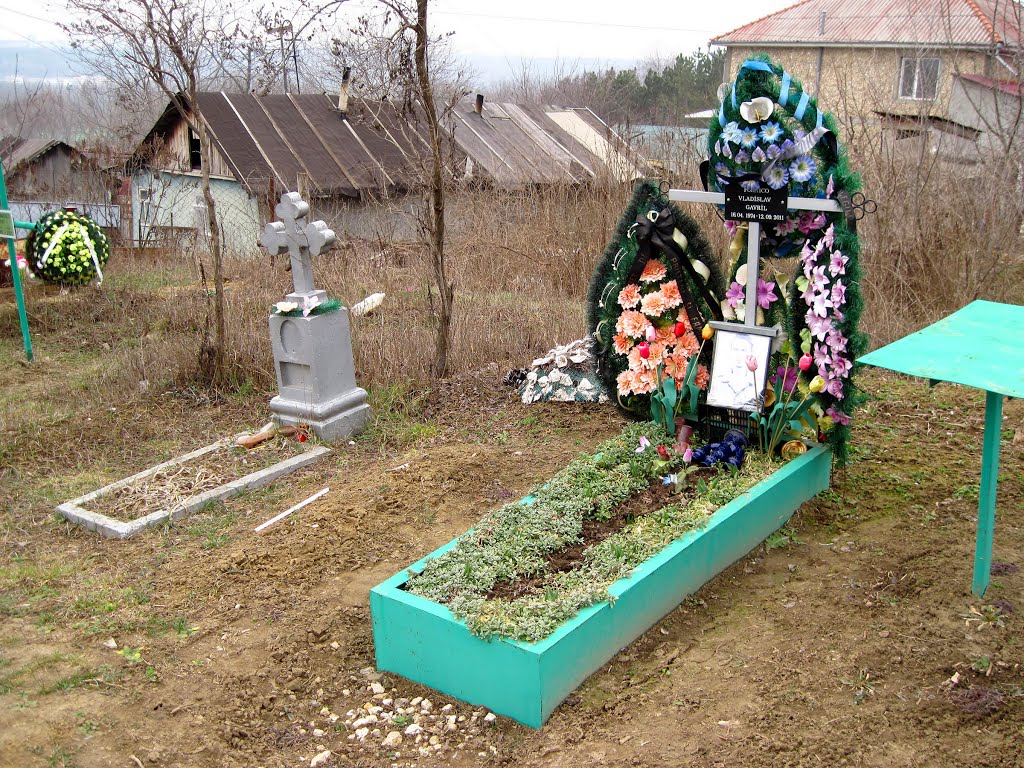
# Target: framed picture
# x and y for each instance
(733, 384)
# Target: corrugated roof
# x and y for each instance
(15, 150)
(519, 145)
(902, 23)
(379, 147)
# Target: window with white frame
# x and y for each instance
(919, 78)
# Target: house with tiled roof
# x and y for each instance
(894, 59)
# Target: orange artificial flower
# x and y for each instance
(622, 343)
(629, 296)
(670, 291)
(654, 304)
(654, 271)
(633, 324)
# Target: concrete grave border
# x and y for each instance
(119, 529)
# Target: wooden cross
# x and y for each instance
(301, 240)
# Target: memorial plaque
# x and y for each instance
(764, 205)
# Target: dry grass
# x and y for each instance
(521, 262)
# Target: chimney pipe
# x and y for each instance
(343, 93)
(821, 22)
(479, 107)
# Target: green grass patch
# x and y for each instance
(396, 418)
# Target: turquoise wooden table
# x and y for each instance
(979, 346)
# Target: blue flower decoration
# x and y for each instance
(777, 177)
(748, 137)
(731, 132)
(771, 132)
(803, 168)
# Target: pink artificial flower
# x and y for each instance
(822, 357)
(841, 366)
(751, 363)
(818, 326)
(820, 304)
(838, 293)
(834, 386)
(783, 228)
(830, 187)
(809, 222)
(830, 236)
(837, 264)
(730, 227)
(735, 295)
(652, 334)
(688, 454)
(644, 444)
(765, 293)
(804, 363)
(837, 416)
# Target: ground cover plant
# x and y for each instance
(517, 540)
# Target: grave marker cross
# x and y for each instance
(301, 240)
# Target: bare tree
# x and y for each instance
(172, 44)
(400, 43)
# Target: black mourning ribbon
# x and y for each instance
(656, 236)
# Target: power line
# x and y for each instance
(576, 22)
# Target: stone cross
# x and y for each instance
(301, 240)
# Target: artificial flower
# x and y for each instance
(837, 264)
(652, 334)
(817, 384)
(742, 156)
(284, 307)
(751, 362)
(805, 362)
(819, 326)
(748, 137)
(838, 293)
(830, 187)
(629, 296)
(788, 375)
(679, 329)
(670, 479)
(670, 292)
(756, 110)
(644, 349)
(654, 304)
(770, 132)
(777, 177)
(810, 222)
(703, 377)
(783, 228)
(765, 294)
(644, 444)
(633, 324)
(309, 303)
(654, 271)
(707, 332)
(758, 155)
(838, 416)
(735, 295)
(622, 343)
(803, 168)
(688, 454)
(731, 132)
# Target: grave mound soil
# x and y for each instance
(655, 497)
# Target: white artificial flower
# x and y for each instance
(757, 110)
(284, 307)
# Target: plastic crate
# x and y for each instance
(715, 422)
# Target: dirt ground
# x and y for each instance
(849, 639)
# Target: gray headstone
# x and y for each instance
(312, 355)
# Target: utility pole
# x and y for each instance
(279, 31)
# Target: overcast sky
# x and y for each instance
(526, 29)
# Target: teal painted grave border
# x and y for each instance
(421, 640)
